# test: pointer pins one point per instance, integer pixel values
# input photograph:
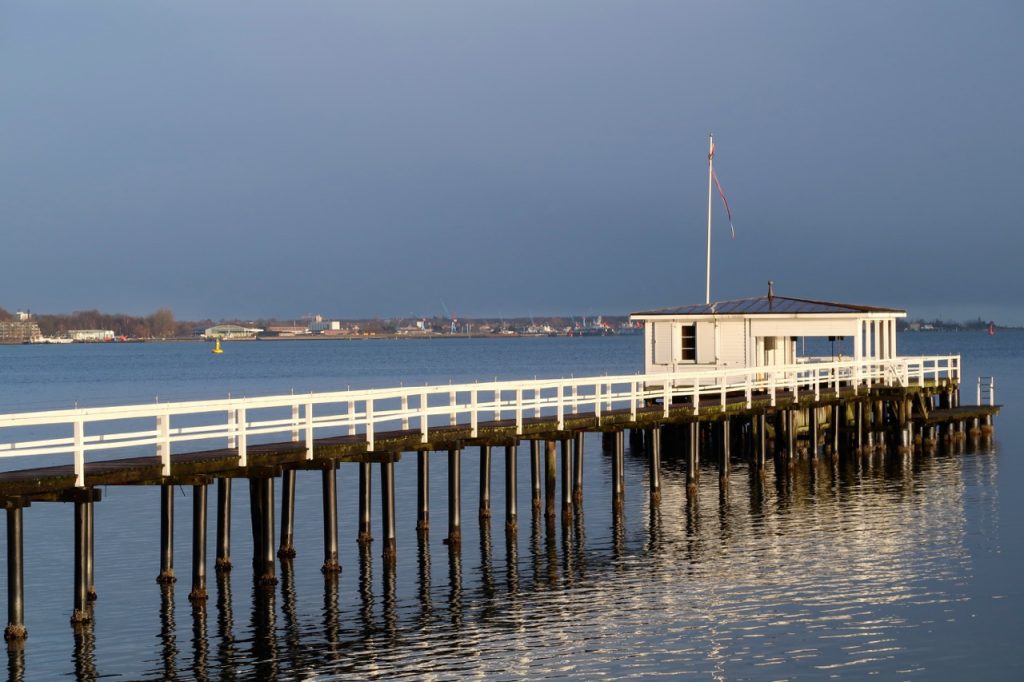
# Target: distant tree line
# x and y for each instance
(968, 325)
(159, 325)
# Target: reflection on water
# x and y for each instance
(813, 567)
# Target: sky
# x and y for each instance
(376, 159)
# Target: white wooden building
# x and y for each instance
(760, 331)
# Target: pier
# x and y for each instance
(849, 408)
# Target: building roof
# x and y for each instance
(768, 305)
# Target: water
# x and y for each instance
(821, 572)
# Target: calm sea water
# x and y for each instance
(819, 572)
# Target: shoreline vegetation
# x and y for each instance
(163, 326)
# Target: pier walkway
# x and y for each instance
(816, 407)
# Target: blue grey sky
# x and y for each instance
(365, 159)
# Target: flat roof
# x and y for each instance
(768, 305)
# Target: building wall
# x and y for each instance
(19, 331)
(732, 343)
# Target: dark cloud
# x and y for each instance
(360, 159)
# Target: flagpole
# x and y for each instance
(711, 156)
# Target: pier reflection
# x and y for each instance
(168, 633)
(455, 586)
(16, 660)
(331, 614)
(263, 625)
(200, 644)
(365, 588)
(226, 654)
(85, 652)
(773, 536)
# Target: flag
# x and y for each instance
(725, 201)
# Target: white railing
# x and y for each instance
(986, 391)
(234, 422)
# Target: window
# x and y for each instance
(688, 343)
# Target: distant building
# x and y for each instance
(230, 331)
(22, 330)
(760, 331)
(286, 330)
(91, 335)
(320, 325)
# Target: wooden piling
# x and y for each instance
(223, 562)
(485, 482)
(655, 465)
(166, 575)
(693, 458)
(287, 548)
(618, 473)
(535, 475)
(761, 443)
(329, 496)
(511, 514)
(15, 629)
(267, 573)
(725, 451)
(422, 491)
(567, 480)
(79, 614)
(790, 434)
(577, 470)
(813, 431)
(198, 593)
(387, 511)
(90, 551)
(365, 534)
(454, 499)
(549, 479)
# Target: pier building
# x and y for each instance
(760, 331)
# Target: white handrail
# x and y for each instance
(455, 404)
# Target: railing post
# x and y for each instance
(295, 422)
(723, 381)
(452, 414)
(978, 400)
(232, 429)
(634, 398)
(991, 390)
(79, 426)
(163, 446)
(473, 417)
(424, 435)
(242, 441)
(405, 411)
(666, 397)
(309, 430)
(369, 424)
(350, 412)
(597, 402)
(561, 407)
(748, 392)
(696, 396)
(519, 410)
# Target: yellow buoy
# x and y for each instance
(217, 348)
